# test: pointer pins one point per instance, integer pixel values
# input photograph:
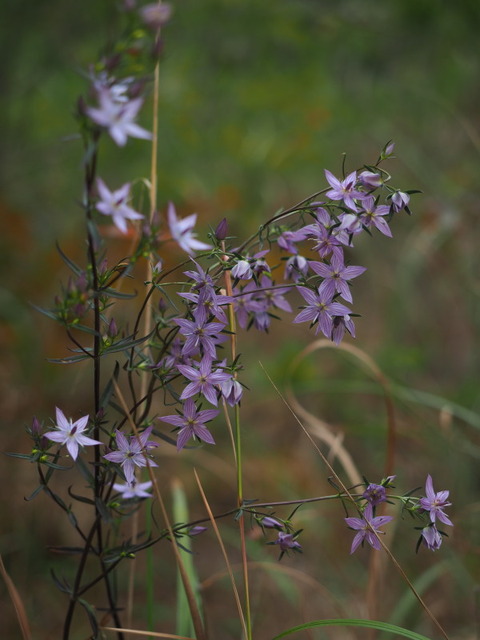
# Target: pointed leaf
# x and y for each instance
(90, 611)
(74, 267)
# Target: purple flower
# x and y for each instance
(203, 281)
(131, 452)
(259, 264)
(321, 309)
(295, 268)
(370, 179)
(71, 433)
(350, 223)
(329, 236)
(431, 537)
(182, 231)
(340, 325)
(242, 270)
(435, 503)
(203, 380)
(232, 391)
(344, 189)
(375, 494)
(261, 320)
(336, 275)
(287, 542)
(207, 305)
(287, 240)
(174, 356)
(367, 527)
(271, 523)
(118, 117)
(133, 489)
(373, 215)
(192, 423)
(273, 296)
(245, 304)
(114, 203)
(400, 201)
(200, 334)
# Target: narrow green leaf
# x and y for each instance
(79, 498)
(90, 611)
(74, 267)
(184, 626)
(46, 312)
(68, 359)
(113, 293)
(351, 622)
(35, 493)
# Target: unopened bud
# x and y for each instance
(194, 531)
(112, 330)
(221, 230)
(36, 427)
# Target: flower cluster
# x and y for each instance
(434, 504)
(368, 524)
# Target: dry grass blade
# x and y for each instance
(321, 429)
(224, 552)
(17, 603)
(324, 431)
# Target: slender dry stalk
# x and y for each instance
(237, 448)
(224, 553)
(17, 603)
(150, 634)
(148, 315)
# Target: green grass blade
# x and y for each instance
(184, 624)
(350, 622)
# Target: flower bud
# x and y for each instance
(196, 530)
(36, 427)
(112, 330)
(221, 230)
(271, 523)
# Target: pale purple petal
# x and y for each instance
(204, 434)
(72, 448)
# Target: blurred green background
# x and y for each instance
(257, 98)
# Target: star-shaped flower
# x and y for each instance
(336, 276)
(344, 189)
(118, 117)
(192, 423)
(182, 231)
(367, 527)
(114, 203)
(435, 503)
(133, 489)
(131, 452)
(71, 433)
